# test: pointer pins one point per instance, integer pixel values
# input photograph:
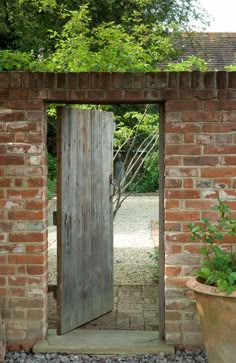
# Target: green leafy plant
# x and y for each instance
(219, 263)
(52, 175)
(154, 257)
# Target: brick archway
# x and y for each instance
(198, 117)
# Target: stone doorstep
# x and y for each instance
(105, 342)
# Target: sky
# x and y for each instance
(224, 13)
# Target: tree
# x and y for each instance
(27, 25)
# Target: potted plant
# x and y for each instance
(215, 284)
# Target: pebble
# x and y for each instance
(186, 356)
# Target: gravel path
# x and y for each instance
(182, 357)
(133, 241)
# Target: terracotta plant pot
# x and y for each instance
(217, 312)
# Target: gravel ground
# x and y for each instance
(186, 356)
(133, 241)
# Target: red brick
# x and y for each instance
(219, 172)
(26, 215)
(23, 126)
(36, 248)
(36, 182)
(7, 270)
(192, 248)
(20, 137)
(6, 137)
(36, 204)
(172, 204)
(25, 105)
(188, 183)
(232, 79)
(11, 160)
(133, 95)
(2, 259)
(183, 150)
(27, 237)
(206, 94)
(174, 139)
(211, 215)
(172, 271)
(22, 281)
(201, 116)
(173, 248)
(200, 160)
(223, 183)
(209, 79)
(24, 171)
(113, 95)
(11, 204)
(10, 115)
(178, 237)
(185, 79)
(182, 128)
(182, 194)
(26, 259)
(180, 105)
(200, 204)
(35, 270)
(24, 193)
(174, 227)
(173, 161)
(5, 182)
(35, 138)
(219, 149)
(173, 117)
(228, 116)
(222, 79)
(189, 138)
(197, 79)
(173, 183)
(182, 215)
(2, 281)
(178, 282)
(219, 128)
(181, 172)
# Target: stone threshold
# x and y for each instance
(105, 342)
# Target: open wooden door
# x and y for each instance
(84, 217)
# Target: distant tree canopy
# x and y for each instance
(41, 25)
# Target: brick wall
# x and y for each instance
(200, 135)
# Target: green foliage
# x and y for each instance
(218, 264)
(148, 181)
(231, 68)
(52, 175)
(27, 25)
(192, 63)
(13, 61)
(154, 258)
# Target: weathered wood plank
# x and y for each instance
(96, 226)
(107, 220)
(85, 259)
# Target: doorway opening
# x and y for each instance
(136, 293)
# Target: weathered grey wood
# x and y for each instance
(85, 286)
(107, 212)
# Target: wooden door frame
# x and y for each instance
(161, 202)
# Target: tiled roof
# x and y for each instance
(218, 49)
